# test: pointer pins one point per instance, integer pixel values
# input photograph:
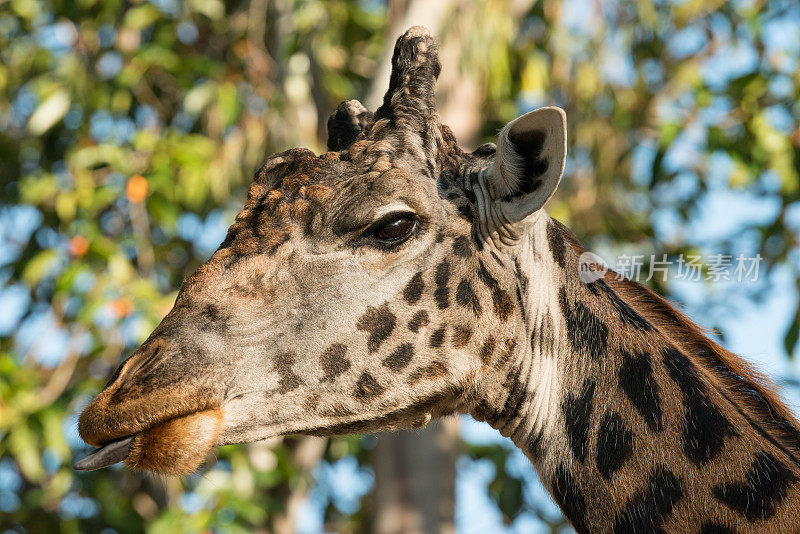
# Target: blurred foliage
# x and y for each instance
(129, 130)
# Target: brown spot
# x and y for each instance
(487, 350)
(333, 361)
(432, 371)
(462, 247)
(466, 297)
(288, 381)
(437, 337)
(379, 323)
(413, 290)
(336, 410)
(367, 388)
(503, 305)
(400, 357)
(465, 212)
(311, 402)
(442, 278)
(461, 336)
(558, 245)
(419, 320)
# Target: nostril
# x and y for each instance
(137, 360)
(116, 374)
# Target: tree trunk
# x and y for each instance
(415, 480)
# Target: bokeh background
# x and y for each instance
(129, 130)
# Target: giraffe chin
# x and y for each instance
(178, 446)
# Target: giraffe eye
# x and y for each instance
(395, 229)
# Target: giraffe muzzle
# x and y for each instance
(156, 414)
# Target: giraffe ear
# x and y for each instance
(529, 162)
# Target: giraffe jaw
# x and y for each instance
(240, 429)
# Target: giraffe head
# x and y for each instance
(356, 291)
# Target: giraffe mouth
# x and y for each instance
(176, 446)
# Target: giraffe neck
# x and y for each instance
(524, 378)
(635, 421)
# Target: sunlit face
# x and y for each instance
(299, 322)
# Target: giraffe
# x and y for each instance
(396, 279)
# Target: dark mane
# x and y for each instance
(749, 391)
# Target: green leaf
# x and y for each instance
(213, 9)
(141, 16)
(49, 112)
(24, 447)
(41, 265)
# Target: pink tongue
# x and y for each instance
(110, 454)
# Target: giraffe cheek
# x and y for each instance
(178, 446)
